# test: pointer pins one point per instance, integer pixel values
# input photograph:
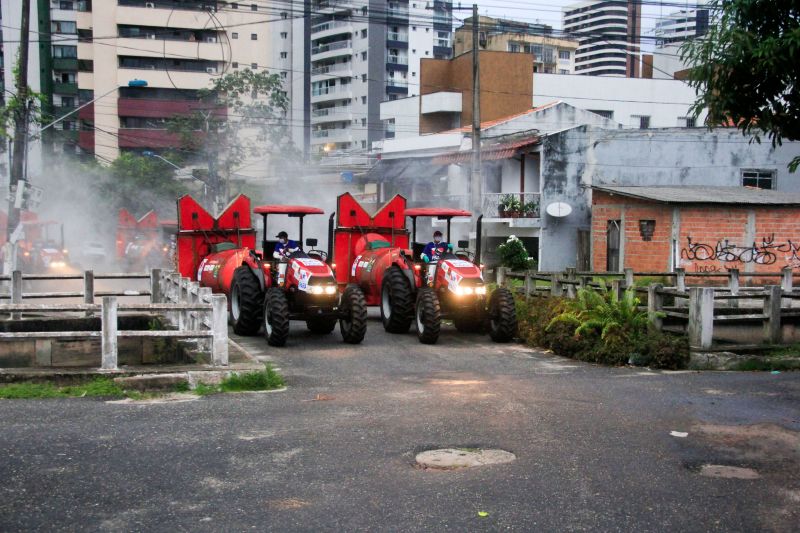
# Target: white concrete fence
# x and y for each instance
(699, 306)
(193, 311)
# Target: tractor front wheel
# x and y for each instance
(247, 302)
(276, 317)
(397, 304)
(429, 316)
(502, 316)
(353, 307)
(321, 326)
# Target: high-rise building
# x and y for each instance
(176, 46)
(552, 54)
(361, 53)
(681, 25)
(609, 33)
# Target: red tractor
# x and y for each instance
(221, 253)
(385, 266)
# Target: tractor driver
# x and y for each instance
(283, 250)
(433, 250)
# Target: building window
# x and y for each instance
(613, 246)
(284, 15)
(363, 34)
(563, 54)
(363, 144)
(234, 5)
(414, 75)
(66, 5)
(284, 35)
(284, 55)
(686, 122)
(363, 99)
(603, 113)
(253, 7)
(235, 64)
(363, 77)
(70, 52)
(513, 47)
(760, 179)
(234, 35)
(254, 66)
(363, 122)
(364, 56)
(413, 28)
(67, 101)
(283, 74)
(563, 71)
(641, 121)
(364, 10)
(253, 36)
(63, 26)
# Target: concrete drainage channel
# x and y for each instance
(459, 458)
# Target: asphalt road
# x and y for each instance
(335, 452)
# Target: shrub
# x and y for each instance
(513, 254)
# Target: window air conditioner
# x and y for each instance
(211, 39)
(211, 70)
(151, 5)
(150, 67)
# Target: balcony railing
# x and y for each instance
(332, 69)
(511, 205)
(333, 112)
(397, 60)
(397, 36)
(329, 47)
(444, 43)
(323, 91)
(331, 24)
(397, 13)
(397, 82)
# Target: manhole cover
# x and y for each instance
(729, 472)
(452, 458)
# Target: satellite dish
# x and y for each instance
(558, 209)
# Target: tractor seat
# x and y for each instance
(222, 247)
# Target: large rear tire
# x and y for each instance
(429, 316)
(397, 303)
(502, 316)
(247, 302)
(321, 326)
(353, 307)
(276, 317)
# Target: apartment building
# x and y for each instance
(162, 53)
(609, 35)
(361, 53)
(670, 33)
(551, 53)
(52, 64)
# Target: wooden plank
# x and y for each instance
(49, 334)
(138, 275)
(187, 334)
(739, 318)
(8, 308)
(35, 295)
(165, 307)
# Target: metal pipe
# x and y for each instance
(478, 231)
(330, 238)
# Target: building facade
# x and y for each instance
(681, 25)
(362, 53)
(551, 53)
(609, 34)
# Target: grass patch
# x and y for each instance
(266, 379)
(768, 364)
(97, 387)
(203, 389)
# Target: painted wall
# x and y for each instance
(697, 238)
(574, 160)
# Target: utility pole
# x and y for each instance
(20, 135)
(476, 192)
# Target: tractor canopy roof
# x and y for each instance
(440, 212)
(296, 210)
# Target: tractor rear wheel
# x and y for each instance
(429, 316)
(502, 316)
(353, 307)
(321, 325)
(397, 304)
(276, 317)
(247, 302)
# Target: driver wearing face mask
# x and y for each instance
(285, 247)
(433, 250)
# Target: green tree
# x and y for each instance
(138, 183)
(745, 69)
(241, 116)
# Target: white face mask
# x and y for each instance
(282, 241)
(437, 240)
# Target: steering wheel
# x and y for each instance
(465, 254)
(323, 256)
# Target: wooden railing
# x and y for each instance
(699, 306)
(195, 312)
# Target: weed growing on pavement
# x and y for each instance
(266, 379)
(95, 387)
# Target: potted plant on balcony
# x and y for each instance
(509, 206)
(530, 209)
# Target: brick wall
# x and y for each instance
(711, 239)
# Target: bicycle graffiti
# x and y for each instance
(768, 252)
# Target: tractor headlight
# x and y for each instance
(57, 264)
(316, 289)
(330, 289)
(481, 291)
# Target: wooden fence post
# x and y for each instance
(16, 292)
(616, 288)
(786, 284)
(109, 333)
(555, 285)
(219, 321)
(527, 287)
(88, 289)
(572, 291)
(501, 276)
(772, 310)
(680, 286)
(733, 286)
(655, 304)
(628, 278)
(701, 317)
(155, 286)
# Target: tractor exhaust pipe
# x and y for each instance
(330, 238)
(478, 232)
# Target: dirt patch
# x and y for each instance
(177, 397)
(455, 458)
(758, 442)
(728, 472)
(287, 503)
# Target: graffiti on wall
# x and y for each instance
(768, 252)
